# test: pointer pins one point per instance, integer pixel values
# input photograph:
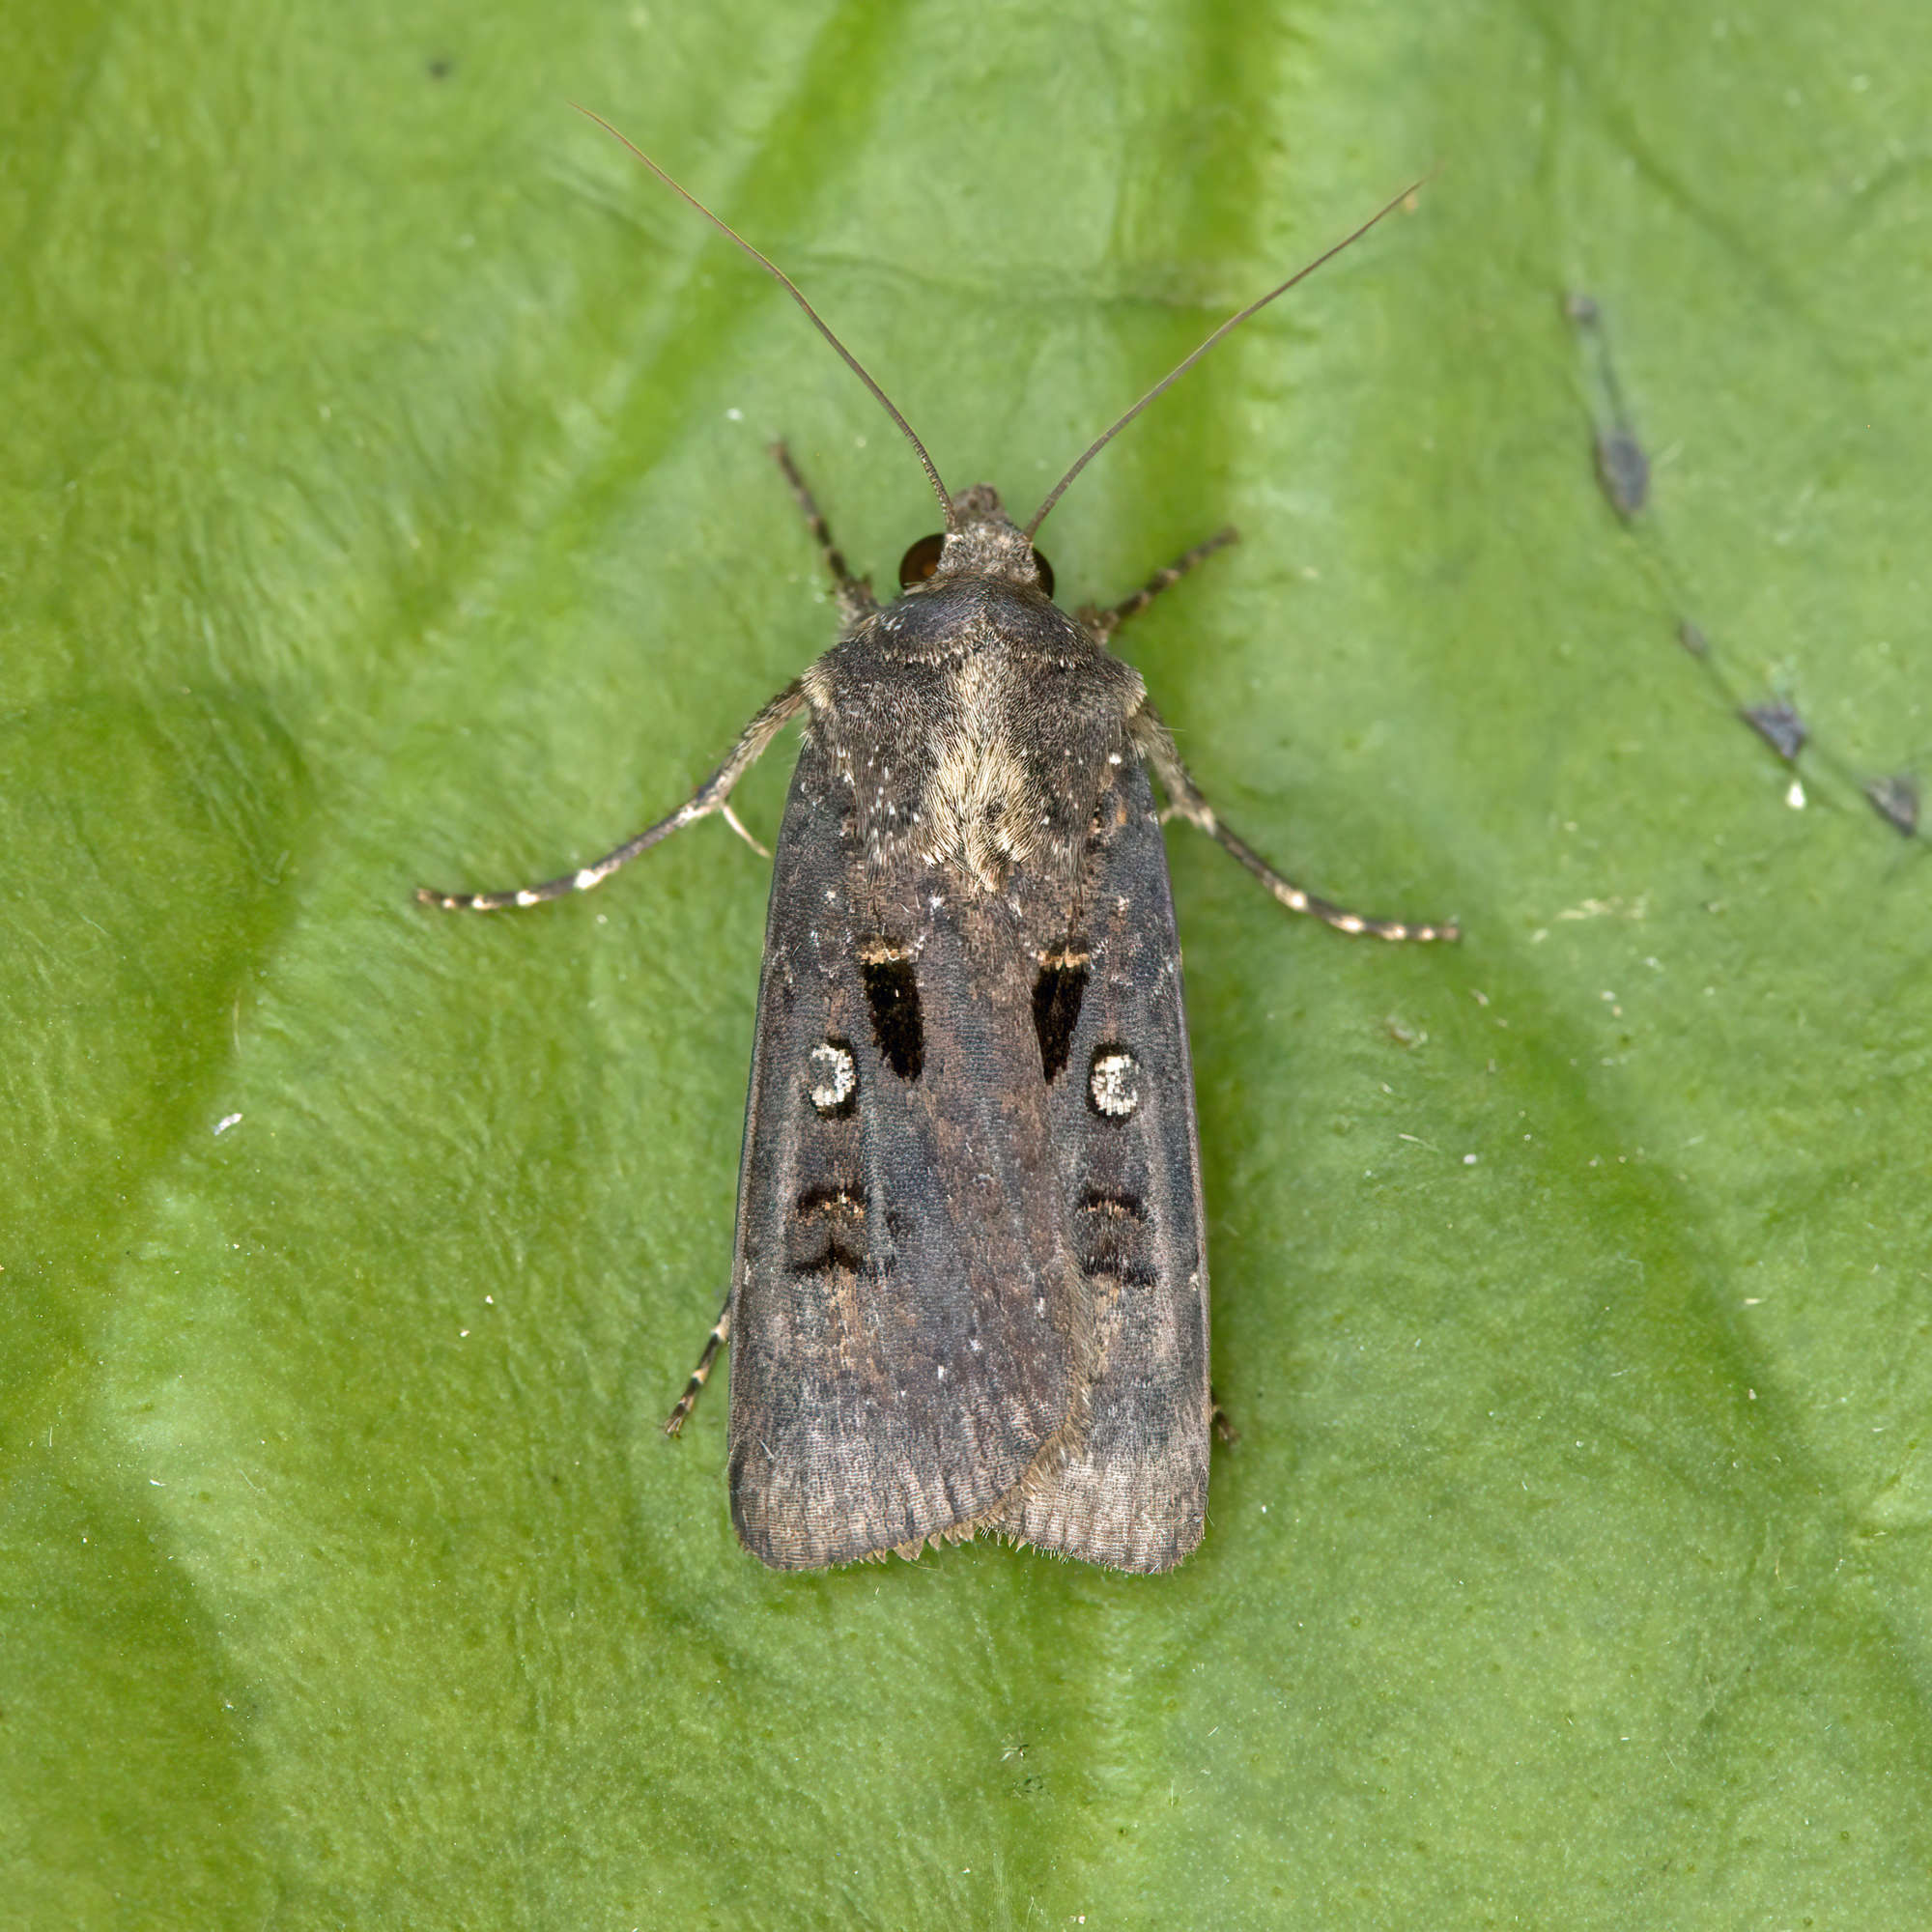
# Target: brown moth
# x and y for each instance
(970, 1287)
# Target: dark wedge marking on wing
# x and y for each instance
(1057, 994)
(892, 992)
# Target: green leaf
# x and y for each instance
(387, 499)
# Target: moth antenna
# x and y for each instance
(1182, 369)
(797, 294)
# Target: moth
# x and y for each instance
(969, 1290)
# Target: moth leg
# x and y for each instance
(737, 825)
(852, 594)
(719, 1334)
(709, 797)
(1101, 625)
(1152, 739)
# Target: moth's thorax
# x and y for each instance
(983, 540)
(976, 724)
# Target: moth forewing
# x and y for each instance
(1128, 1486)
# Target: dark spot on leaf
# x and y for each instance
(1778, 726)
(1896, 800)
(1623, 470)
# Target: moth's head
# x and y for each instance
(981, 540)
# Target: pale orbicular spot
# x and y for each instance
(835, 1074)
(1115, 1082)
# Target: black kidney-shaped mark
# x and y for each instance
(892, 991)
(1056, 1008)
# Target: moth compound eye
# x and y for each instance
(833, 1077)
(919, 563)
(1046, 569)
(1114, 1085)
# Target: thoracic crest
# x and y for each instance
(974, 720)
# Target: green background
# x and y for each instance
(385, 501)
